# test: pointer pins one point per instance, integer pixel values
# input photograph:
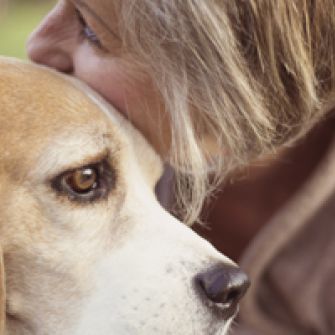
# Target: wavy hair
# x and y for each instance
(245, 76)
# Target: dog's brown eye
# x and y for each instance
(87, 183)
(83, 180)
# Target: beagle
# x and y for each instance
(86, 249)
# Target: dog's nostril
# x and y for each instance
(224, 284)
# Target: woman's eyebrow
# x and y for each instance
(84, 5)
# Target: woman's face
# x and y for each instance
(80, 37)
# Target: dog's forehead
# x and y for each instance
(37, 104)
(39, 97)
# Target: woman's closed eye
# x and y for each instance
(87, 31)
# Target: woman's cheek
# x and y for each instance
(105, 76)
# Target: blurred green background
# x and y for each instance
(18, 18)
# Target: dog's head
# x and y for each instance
(86, 247)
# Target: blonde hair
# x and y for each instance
(248, 76)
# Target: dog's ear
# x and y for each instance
(2, 294)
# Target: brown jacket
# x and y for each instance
(292, 264)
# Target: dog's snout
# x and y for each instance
(224, 285)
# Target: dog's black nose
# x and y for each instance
(224, 285)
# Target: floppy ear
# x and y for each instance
(2, 295)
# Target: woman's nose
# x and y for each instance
(48, 44)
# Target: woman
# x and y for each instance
(213, 85)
